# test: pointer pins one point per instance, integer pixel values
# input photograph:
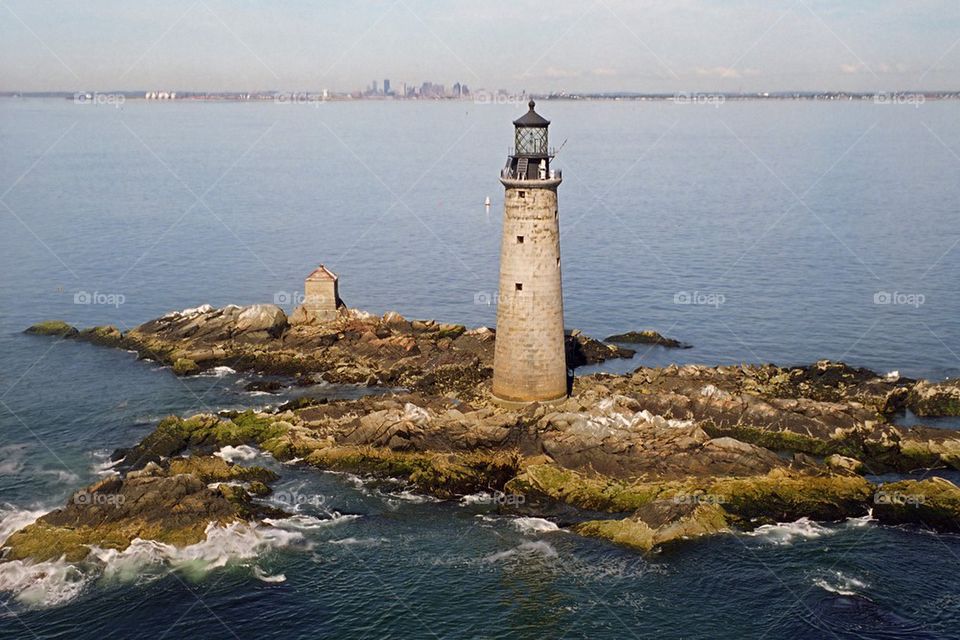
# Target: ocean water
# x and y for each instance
(759, 232)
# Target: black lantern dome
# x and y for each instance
(531, 155)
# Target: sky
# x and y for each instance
(538, 46)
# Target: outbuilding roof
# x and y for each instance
(322, 273)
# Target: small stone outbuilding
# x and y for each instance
(321, 294)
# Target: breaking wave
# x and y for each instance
(524, 549)
(841, 584)
(785, 533)
(788, 532)
(234, 454)
(409, 496)
(52, 583)
(216, 372)
(476, 498)
(534, 525)
(13, 519)
(309, 523)
(362, 542)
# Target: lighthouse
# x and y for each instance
(529, 361)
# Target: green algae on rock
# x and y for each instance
(932, 503)
(928, 399)
(57, 328)
(173, 505)
(677, 452)
(658, 523)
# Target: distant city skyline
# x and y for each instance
(520, 45)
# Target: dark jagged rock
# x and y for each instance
(793, 410)
(170, 503)
(929, 399)
(353, 348)
(582, 350)
(675, 451)
(265, 386)
(933, 503)
(647, 337)
(107, 336)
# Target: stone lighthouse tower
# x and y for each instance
(529, 361)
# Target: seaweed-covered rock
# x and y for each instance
(780, 495)
(173, 505)
(929, 399)
(583, 350)
(57, 328)
(185, 366)
(215, 469)
(647, 336)
(107, 336)
(785, 496)
(933, 503)
(264, 386)
(657, 523)
(445, 475)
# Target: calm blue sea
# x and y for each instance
(781, 232)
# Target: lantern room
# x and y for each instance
(531, 155)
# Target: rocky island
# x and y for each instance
(642, 459)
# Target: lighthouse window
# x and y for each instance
(522, 194)
(519, 239)
(519, 286)
(558, 263)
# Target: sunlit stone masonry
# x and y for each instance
(529, 361)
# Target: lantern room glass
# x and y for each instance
(531, 141)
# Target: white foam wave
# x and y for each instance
(358, 482)
(233, 454)
(534, 525)
(13, 519)
(862, 521)
(416, 498)
(531, 548)
(363, 542)
(262, 575)
(47, 584)
(230, 483)
(307, 523)
(841, 584)
(217, 372)
(787, 532)
(236, 541)
(42, 584)
(62, 476)
(476, 498)
(106, 465)
(11, 459)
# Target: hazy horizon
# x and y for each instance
(600, 46)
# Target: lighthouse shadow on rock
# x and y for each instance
(529, 360)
